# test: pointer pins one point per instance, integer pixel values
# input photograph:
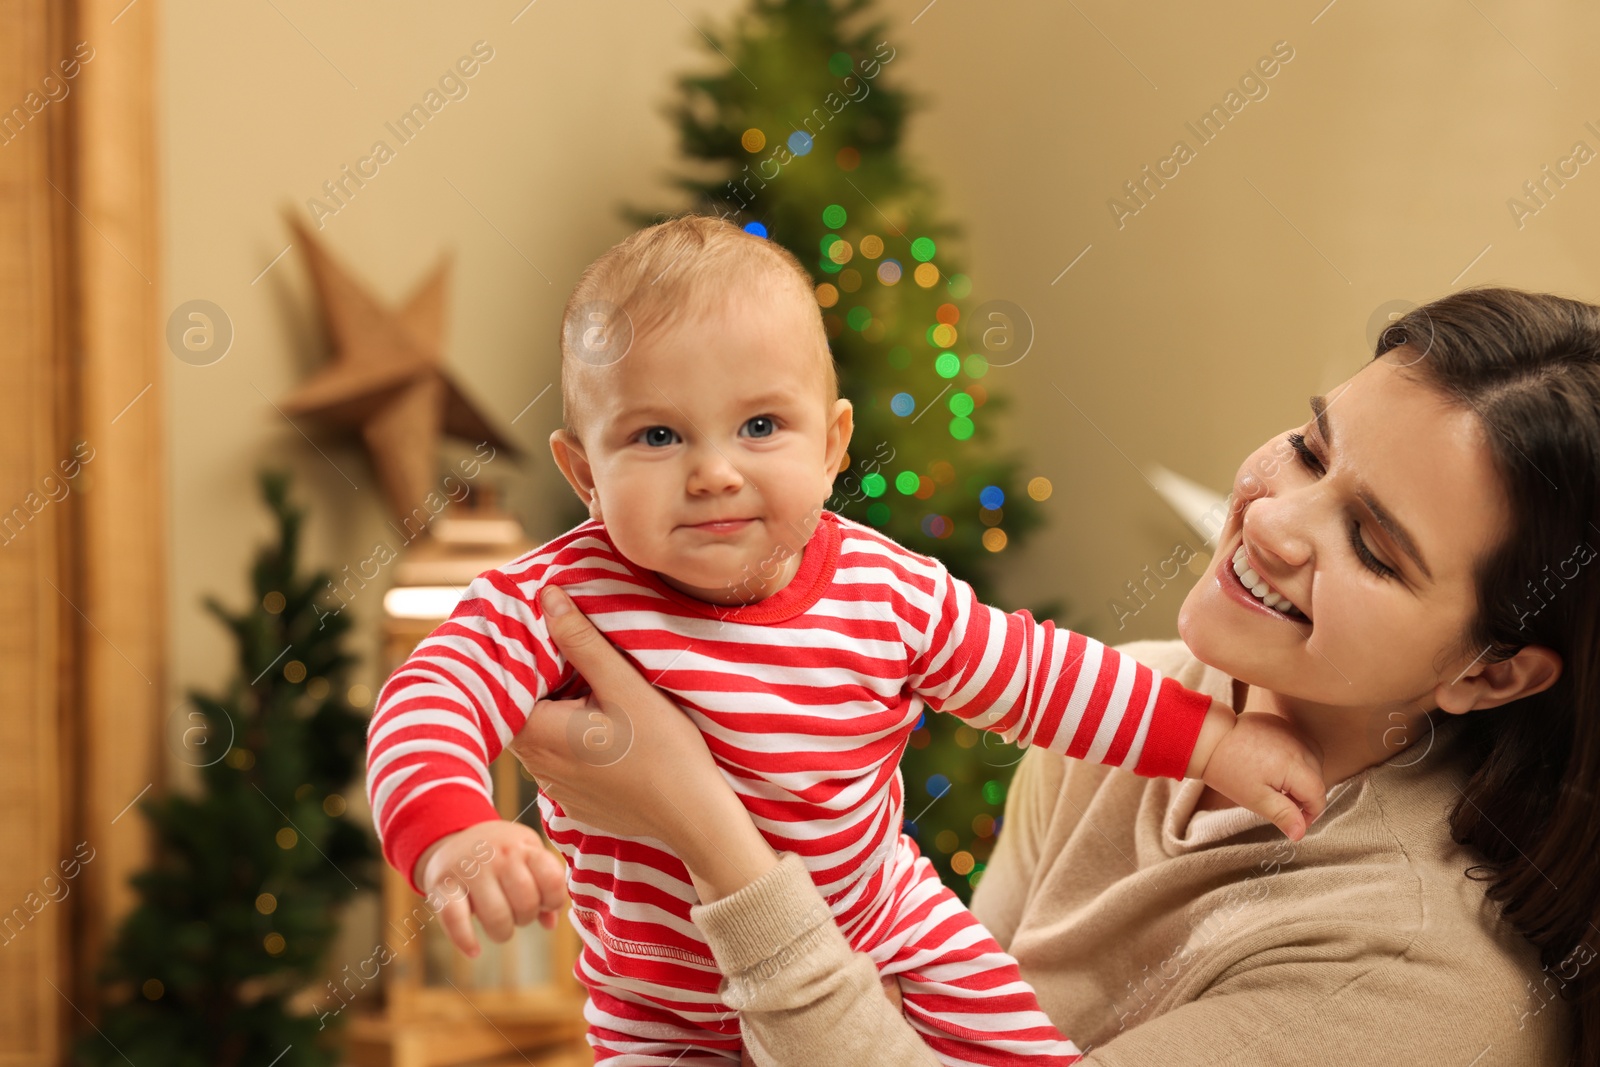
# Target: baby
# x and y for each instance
(703, 431)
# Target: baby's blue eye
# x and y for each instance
(658, 436)
(761, 426)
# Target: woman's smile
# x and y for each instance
(1261, 591)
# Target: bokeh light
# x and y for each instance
(922, 249)
(834, 216)
(753, 140)
(926, 275)
(872, 246)
(903, 404)
(800, 143)
(960, 404)
(874, 484)
(994, 539)
(756, 228)
(1040, 488)
(827, 295)
(961, 428)
(993, 497)
(947, 365)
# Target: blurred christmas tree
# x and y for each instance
(837, 191)
(238, 909)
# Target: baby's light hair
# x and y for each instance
(654, 277)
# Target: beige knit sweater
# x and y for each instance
(1157, 935)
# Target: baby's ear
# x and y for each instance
(841, 425)
(569, 456)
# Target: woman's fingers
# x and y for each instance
(891, 989)
(601, 665)
(544, 738)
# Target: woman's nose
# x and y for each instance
(712, 472)
(1275, 524)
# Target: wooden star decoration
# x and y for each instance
(387, 378)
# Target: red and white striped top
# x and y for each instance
(806, 700)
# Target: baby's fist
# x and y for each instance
(1263, 763)
(500, 871)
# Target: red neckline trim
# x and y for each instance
(817, 566)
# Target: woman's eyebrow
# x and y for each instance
(1391, 526)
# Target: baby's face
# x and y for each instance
(709, 449)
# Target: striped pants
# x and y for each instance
(960, 990)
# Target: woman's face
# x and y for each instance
(1389, 464)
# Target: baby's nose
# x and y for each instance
(713, 472)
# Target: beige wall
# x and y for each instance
(1387, 147)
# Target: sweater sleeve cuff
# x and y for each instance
(419, 826)
(764, 918)
(1175, 724)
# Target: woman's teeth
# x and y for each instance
(1258, 588)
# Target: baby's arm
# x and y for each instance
(440, 720)
(1034, 683)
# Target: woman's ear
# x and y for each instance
(569, 456)
(1532, 670)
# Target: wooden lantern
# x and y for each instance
(518, 1000)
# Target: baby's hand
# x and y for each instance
(1263, 764)
(499, 870)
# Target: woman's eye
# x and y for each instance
(1308, 458)
(1364, 554)
(658, 436)
(761, 426)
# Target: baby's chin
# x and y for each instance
(731, 583)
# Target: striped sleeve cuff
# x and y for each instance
(1175, 723)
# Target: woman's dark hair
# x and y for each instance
(1529, 365)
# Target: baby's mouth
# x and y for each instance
(715, 526)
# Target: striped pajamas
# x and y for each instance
(806, 700)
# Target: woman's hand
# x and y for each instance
(628, 761)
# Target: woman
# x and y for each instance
(1426, 538)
